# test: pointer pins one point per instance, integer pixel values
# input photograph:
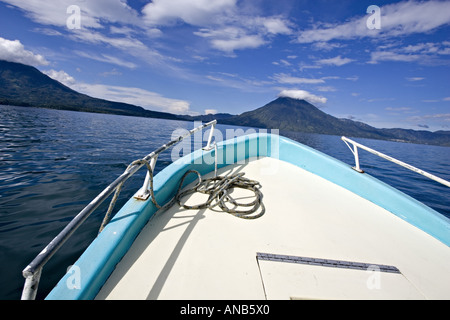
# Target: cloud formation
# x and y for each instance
(96, 17)
(194, 12)
(61, 76)
(429, 53)
(302, 95)
(136, 96)
(398, 19)
(231, 38)
(94, 13)
(239, 32)
(336, 61)
(220, 22)
(14, 51)
(288, 79)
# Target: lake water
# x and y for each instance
(53, 163)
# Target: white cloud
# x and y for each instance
(245, 32)
(414, 17)
(336, 61)
(421, 47)
(436, 100)
(124, 43)
(47, 31)
(439, 117)
(211, 111)
(326, 46)
(353, 78)
(305, 66)
(393, 56)
(113, 72)
(238, 43)
(282, 62)
(221, 22)
(423, 53)
(61, 76)
(14, 51)
(349, 30)
(326, 89)
(213, 17)
(397, 19)
(302, 95)
(414, 79)
(107, 23)
(288, 79)
(128, 45)
(93, 13)
(194, 12)
(231, 38)
(274, 25)
(154, 33)
(399, 109)
(107, 59)
(136, 96)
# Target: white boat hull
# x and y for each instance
(316, 207)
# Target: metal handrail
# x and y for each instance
(357, 145)
(32, 272)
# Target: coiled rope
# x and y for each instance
(218, 188)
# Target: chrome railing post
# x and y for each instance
(208, 145)
(32, 273)
(357, 145)
(355, 154)
(31, 284)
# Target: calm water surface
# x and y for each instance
(53, 163)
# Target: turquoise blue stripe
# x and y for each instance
(99, 260)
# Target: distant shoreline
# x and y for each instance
(199, 118)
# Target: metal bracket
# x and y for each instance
(142, 195)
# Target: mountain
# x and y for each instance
(289, 114)
(23, 85)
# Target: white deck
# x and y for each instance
(203, 254)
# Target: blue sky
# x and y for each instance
(199, 56)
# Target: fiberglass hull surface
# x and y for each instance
(324, 236)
